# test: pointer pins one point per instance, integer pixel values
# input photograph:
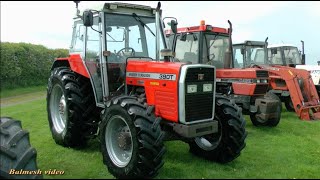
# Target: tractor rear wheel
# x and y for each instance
(289, 105)
(227, 144)
(272, 122)
(16, 151)
(131, 139)
(71, 108)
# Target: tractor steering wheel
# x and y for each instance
(252, 65)
(121, 51)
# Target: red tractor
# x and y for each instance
(294, 86)
(114, 85)
(248, 87)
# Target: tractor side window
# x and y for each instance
(259, 56)
(92, 57)
(214, 50)
(151, 40)
(78, 37)
(187, 48)
(135, 40)
(274, 56)
(93, 42)
(238, 57)
(291, 55)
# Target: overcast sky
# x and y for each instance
(49, 23)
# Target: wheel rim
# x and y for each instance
(58, 108)
(118, 140)
(211, 141)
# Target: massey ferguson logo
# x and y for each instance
(200, 76)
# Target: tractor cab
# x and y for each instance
(107, 38)
(248, 54)
(284, 55)
(202, 44)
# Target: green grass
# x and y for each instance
(21, 91)
(290, 150)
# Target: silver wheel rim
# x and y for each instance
(118, 140)
(211, 141)
(58, 108)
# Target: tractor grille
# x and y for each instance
(199, 105)
(261, 89)
(193, 73)
(262, 73)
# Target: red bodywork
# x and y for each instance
(305, 101)
(240, 86)
(76, 64)
(161, 93)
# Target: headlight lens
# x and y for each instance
(191, 88)
(207, 87)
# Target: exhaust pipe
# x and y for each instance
(229, 54)
(303, 56)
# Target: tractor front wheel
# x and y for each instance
(225, 145)
(289, 105)
(272, 122)
(131, 139)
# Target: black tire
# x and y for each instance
(16, 153)
(289, 105)
(72, 113)
(229, 141)
(272, 122)
(140, 138)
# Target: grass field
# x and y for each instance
(290, 150)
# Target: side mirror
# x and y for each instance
(274, 51)
(242, 50)
(183, 37)
(87, 18)
(174, 26)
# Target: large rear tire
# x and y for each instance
(272, 122)
(16, 152)
(226, 145)
(131, 139)
(72, 113)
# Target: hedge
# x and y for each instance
(25, 64)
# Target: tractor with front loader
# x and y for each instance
(247, 87)
(293, 86)
(114, 85)
(292, 57)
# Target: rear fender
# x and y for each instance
(74, 61)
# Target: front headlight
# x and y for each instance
(191, 88)
(207, 87)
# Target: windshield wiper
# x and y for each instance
(214, 39)
(137, 18)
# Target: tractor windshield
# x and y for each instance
(131, 35)
(284, 55)
(214, 49)
(247, 55)
(291, 55)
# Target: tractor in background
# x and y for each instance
(247, 87)
(115, 85)
(293, 86)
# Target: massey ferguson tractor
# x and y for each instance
(294, 86)
(115, 85)
(248, 87)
